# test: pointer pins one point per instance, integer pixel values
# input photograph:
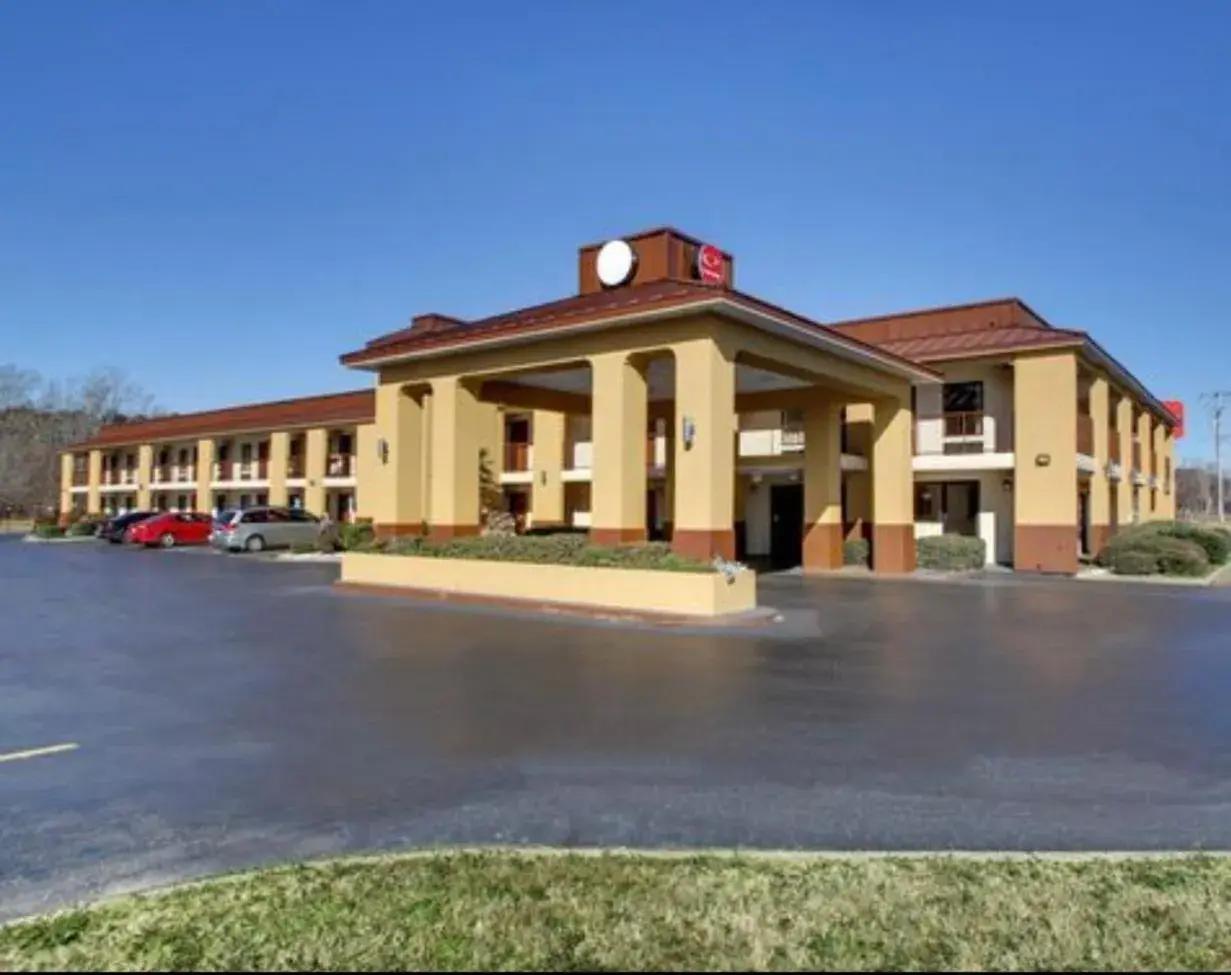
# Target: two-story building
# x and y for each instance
(605, 411)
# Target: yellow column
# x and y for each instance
(94, 498)
(316, 447)
(367, 464)
(279, 458)
(618, 468)
(145, 474)
(205, 474)
(455, 451)
(66, 486)
(1124, 492)
(822, 483)
(391, 456)
(704, 525)
(893, 485)
(1167, 477)
(1045, 479)
(547, 492)
(1100, 493)
(1158, 440)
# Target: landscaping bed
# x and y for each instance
(1166, 548)
(629, 912)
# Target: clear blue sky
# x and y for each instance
(222, 197)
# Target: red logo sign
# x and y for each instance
(1176, 409)
(711, 266)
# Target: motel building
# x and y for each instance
(660, 403)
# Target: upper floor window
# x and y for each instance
(963, 397)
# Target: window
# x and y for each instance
(344, 443)
(927, 502)
(257, 517)
(298, 514)
(963, 397)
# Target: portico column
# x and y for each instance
(66, 486)
(547, 491)
(393, 492)
(618, 465)
(455, 459)
(893, 486)
(705, 468)
(279, 459)
(94, 498)
(145, 474)
(822, 483)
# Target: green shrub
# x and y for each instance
(564, 548)
(950, 552)
(356, 536)
(1134, 562)
(48, 530)
(83, 526)
(1142, 552)
(1216, 544)
(1181, 557)
(855, 551)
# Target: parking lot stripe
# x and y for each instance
(68, 746)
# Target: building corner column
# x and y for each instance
(279, 461)
(94, 497)
(1045, 477)
(547, 490)
(316, 450)
(1100, 486)
(393, 494)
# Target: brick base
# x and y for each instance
(893, 548)
(822, 547)
(1045, 548)
(695, 543)
(617, 536)
(392, 530)
(441, 534)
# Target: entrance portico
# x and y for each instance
(659, 350)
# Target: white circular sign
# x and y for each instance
(615, 263)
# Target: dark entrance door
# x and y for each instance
(786, 532)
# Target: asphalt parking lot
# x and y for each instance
(229, 711)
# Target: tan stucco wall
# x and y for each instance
(676, 593)
(547, 491)
(1100, 495)
(94, 497)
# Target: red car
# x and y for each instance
(171, 529)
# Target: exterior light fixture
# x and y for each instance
(688, 432)
(382, 450)
(1042, 460)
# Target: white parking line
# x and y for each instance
(68, 746)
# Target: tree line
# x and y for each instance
(40, 417)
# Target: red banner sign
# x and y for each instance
(711, 267)
(1176, 409)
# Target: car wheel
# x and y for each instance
(255, 543)
(167, 540)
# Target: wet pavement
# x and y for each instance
(231, 711)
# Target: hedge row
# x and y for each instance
(1172, 548)
(950, 552)
(558, 549)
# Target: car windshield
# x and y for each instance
(223, 517)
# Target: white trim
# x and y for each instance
(940, 463)
(575, 475)
(1086, 464)
(819, 338)
(348, 481)
(517, 477)
(853, 462)
(238, 485)
(79, 489)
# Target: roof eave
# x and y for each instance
(841, 345)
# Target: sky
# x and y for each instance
(221, 198)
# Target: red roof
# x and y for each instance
(357, 406)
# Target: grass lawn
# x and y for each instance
(625, 912)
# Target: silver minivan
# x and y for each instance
(256, 529)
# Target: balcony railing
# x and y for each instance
(340, 465)
(1085, 434)
(516, 457)
(120, 476)
(1113, 446)
(295, 467)
(174, 474)
(224, 470)
(961, 433)
(793, 438)
(81, 477)
(252, 470)
(1136, 455)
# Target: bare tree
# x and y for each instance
(39, 418)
